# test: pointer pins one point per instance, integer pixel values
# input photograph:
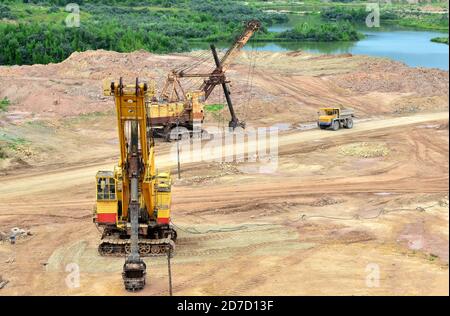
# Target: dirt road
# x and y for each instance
(18, 185)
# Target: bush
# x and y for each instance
(4, 104)
(354, 15)
(3, 154)
(322, 32)
(442, 40)
(5, 12)
(53, 9)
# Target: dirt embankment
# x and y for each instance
(276, 85)
(290, 86)
(267, 88)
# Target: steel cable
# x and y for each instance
(193, 230)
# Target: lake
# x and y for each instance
(411, 47)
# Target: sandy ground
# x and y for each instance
(328, 219)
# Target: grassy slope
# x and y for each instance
(417, 16)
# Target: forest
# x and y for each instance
(398, 16)
(35, 31)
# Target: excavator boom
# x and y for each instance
(218, 74)
(250, 29)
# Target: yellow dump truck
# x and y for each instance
(335, 118)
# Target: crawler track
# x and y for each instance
(147, 248)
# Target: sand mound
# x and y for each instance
(282, 87)
(364, 150)
(391, 76)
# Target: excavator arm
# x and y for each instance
(134, 161)
(250, 29)
(138, 222)
(218, 75)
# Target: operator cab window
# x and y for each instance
(106, 189)
(332, 112)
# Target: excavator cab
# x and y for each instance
(327, 116)
(106, 186)
(329, 112)
(107, 204)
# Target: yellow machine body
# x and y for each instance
(113, 187)
(327, 115)
(165, 115)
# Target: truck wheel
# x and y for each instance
(349, 123)
(174, 135)
(167, 137)
(184, 135)
(335, 125)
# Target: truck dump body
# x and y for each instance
(344, 113)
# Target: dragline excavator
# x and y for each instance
(176, 107)
(133, 201)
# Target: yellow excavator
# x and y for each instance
(133, 201)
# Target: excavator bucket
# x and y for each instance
(133, 275)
